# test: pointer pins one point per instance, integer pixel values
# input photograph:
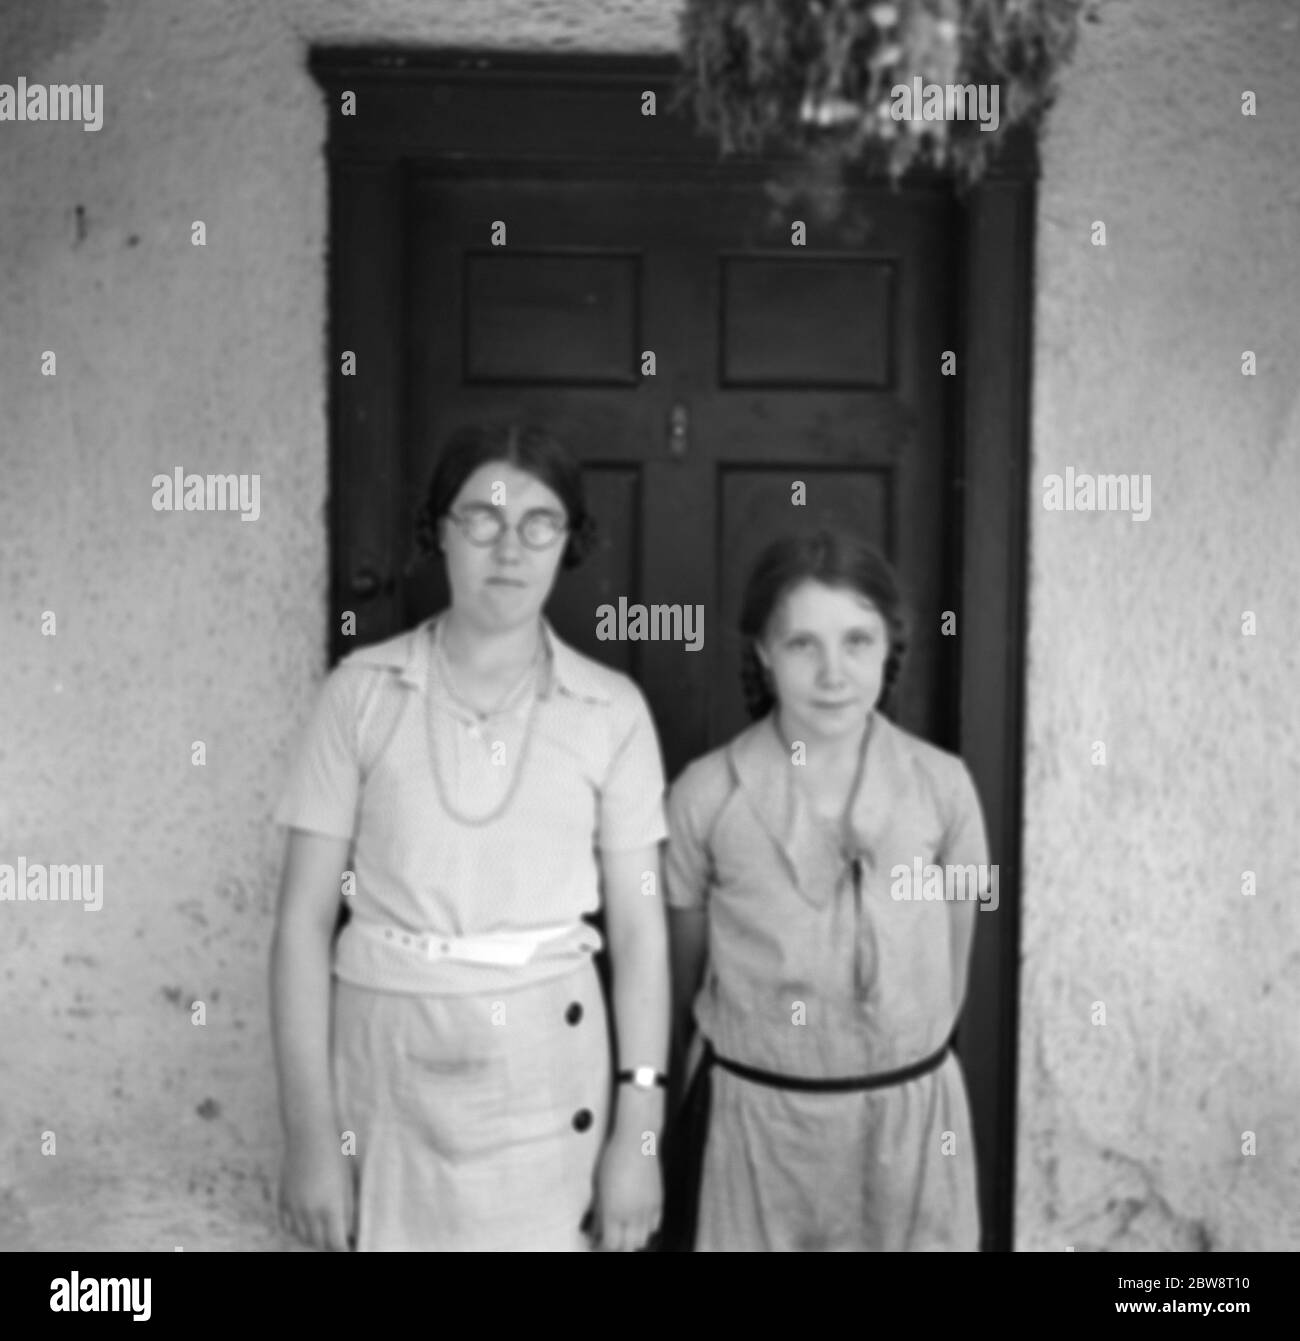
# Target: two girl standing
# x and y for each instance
(489, 788)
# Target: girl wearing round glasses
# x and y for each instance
(487, 788)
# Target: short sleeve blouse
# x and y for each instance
(874, 976)
(590, 780)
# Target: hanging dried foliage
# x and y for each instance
(883, 84)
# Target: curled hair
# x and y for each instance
(835, 559)
(527, 447)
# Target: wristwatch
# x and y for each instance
(643, 1077)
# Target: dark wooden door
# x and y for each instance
(793, 385)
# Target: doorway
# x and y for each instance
(512, 234)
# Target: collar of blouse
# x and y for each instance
(881, 820)
(410, 652)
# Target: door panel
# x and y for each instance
(819, 322)
(546, 318)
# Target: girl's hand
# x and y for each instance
(317, 1196)
(629, 1193)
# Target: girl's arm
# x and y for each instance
(965, 844)
(316, 1186)
(630, 1195)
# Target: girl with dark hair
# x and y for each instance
(826, 1110)
(487, 788)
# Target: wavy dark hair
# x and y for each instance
(835, 559)
(525, 446)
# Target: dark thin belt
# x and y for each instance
(838, 1084)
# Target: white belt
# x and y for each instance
(499, 947)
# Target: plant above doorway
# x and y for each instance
(884, 85)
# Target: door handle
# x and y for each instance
(679, 420)
(366, 583)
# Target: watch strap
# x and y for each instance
(643, 1077)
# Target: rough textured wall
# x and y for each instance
(174, 628)
(1131, 1132)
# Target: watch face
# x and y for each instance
(644, 1076)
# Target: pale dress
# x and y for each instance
(802, 980)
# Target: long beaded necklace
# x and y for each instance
(478, 821)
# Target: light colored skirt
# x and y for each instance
(478, 1119)
(885, 1170)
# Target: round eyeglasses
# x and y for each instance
(483, 525)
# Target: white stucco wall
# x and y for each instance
(1131, 1133)
(176, 628)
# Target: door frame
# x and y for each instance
(447, 108)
